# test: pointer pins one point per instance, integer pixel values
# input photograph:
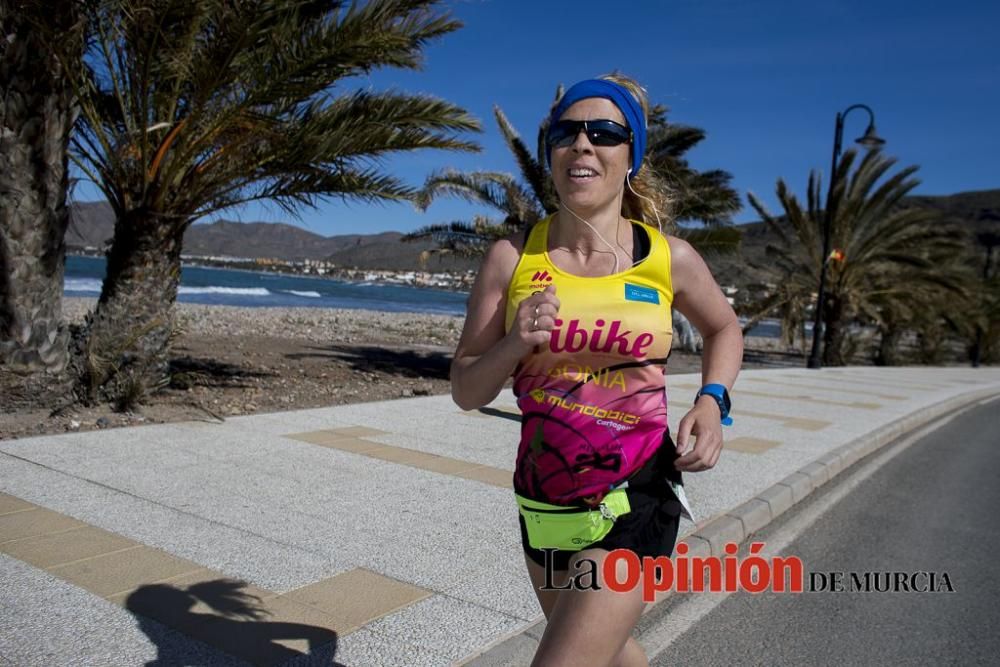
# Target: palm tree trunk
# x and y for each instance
(888, 347)
(37, 112)
(33, 338)
(833, 335)
(125, 355)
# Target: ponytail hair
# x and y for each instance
(647, 199)
(647, 196)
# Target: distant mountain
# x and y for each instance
(278, 240)
(976, 212)
(92, 223)
(980, 210)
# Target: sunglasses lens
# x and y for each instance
(599, 132)
(564, 133)
(606, 136)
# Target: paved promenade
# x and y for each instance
(369, 534)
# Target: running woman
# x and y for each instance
(578, 310)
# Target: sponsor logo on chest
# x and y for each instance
(606, 337)
(540, 280)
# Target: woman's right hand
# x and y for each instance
(535, 320)
(487, 352)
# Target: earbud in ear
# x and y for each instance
(629, 171)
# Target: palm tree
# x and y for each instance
(985, 320)
(519, 204)
(497, 190)
(696, 196)
(972, 322)
(189, 108)
(894, 257)
(936, 315)
(37, 112)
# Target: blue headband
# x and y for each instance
(622, 99)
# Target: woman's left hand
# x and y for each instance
(703, 422)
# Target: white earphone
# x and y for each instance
(659, 224)
(613, 250)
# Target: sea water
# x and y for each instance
(260, 289)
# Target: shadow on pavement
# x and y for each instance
(403, 361)
(493, 412)
(227, 618)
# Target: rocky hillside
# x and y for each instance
(973, 212)
(92, 225)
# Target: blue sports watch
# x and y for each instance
(721, 396)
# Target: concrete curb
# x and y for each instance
(740, 523)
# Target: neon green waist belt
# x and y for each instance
(571, 528)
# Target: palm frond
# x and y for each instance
(712, 240)
(698, 196)
(463, 238)
(533, 171)
(895, 256)
(491, 188)
(672, 141)
(202, 105)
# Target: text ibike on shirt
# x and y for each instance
(575, 338)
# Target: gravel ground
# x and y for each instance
(316, 325)
(232, 361)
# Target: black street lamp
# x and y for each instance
(871, 141)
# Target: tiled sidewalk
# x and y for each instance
(370, 534)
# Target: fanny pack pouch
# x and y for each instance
(570, 528)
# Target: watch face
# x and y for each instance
(721, 396)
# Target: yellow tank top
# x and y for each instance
(593, 402)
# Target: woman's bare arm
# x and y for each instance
(698, 297)
(486, 355)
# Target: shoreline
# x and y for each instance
(458, 282)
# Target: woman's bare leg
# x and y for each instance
(546, 598)
(587, 627)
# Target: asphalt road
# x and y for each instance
(932, 508)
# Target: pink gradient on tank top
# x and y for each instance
(610, 425)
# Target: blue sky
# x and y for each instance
(765, 79)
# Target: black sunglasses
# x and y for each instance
(600, 133)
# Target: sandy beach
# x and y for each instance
(232, 361)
